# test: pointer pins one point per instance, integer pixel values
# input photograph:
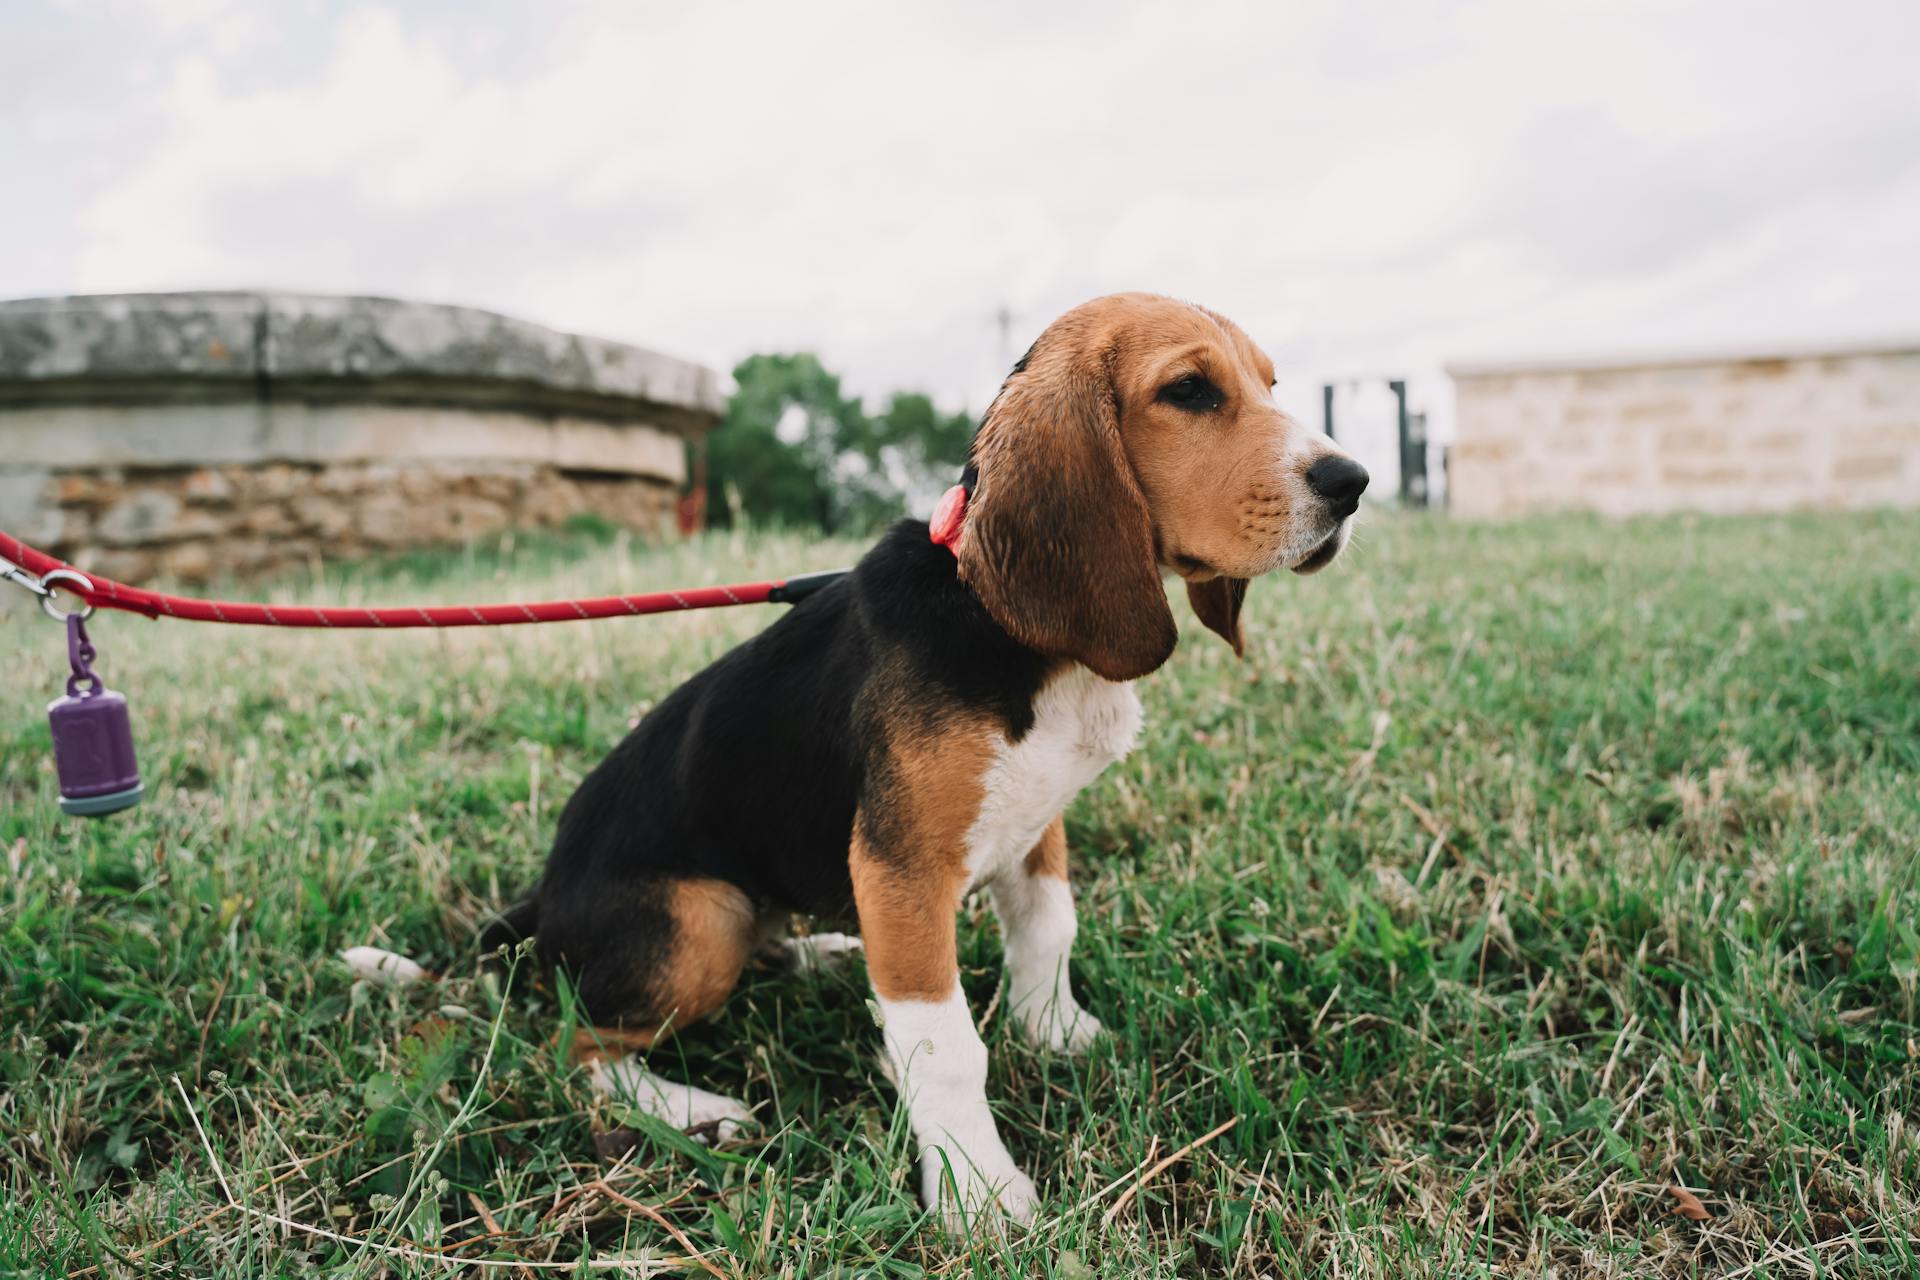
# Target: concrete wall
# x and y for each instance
(1826, 431)
(198, 434)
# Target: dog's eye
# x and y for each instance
(1192, 393)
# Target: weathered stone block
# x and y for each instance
(324, 516)
(269, 519)
(26, 506)
(1703, 476)
(128, 336)
(393, 520)
(250, 555)
(1789, 441)
(644, 508)
(143, 516)
(551, 500)
(77, 489)
(1487, 449)
(1879, 439)
(504, 487)
(277, 480)
(467, 516)
(1650, 410)
(123, 564)
(207, 487)
(357, 477)
(426, 481)
(188, 561)
(1867, 467)
(1691, 440)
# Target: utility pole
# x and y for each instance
(1003, 318)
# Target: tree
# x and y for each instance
(922, 447)
(795, 450)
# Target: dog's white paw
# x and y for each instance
(991, 1193)
(1063, 1027)
(820, 951)
(1076, 1035)
(709, 1117)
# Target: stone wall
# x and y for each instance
(194, 435)
(191, 524)
(1827, 431)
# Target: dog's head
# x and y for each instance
(1140, 435)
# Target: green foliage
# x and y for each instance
(922, 445)
(795, 452)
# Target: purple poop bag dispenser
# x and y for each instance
(92, 737)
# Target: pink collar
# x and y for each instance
(949, 514)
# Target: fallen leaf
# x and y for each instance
(1689, 1206)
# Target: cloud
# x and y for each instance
(876, 182)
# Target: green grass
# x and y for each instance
(1520, 872)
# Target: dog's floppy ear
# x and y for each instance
(1217, 602)
(1058, 544)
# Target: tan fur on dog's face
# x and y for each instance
(1225, 475)
(1138, 434)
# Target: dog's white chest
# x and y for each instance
(1081, 724)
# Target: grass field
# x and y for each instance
(1521, 873)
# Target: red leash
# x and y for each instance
(92, 731)
(45, 572)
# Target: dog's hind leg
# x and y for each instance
(687, 941)
(709, 1116)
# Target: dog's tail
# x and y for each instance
(515, 925)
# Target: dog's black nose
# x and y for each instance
(1340, 481)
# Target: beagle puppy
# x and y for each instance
(914, 730)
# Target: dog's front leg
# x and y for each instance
(936, 1056)
(1037, 926)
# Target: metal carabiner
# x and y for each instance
(52, 610)
(21, 578)
(43, 587)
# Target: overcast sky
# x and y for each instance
(1364, 193)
